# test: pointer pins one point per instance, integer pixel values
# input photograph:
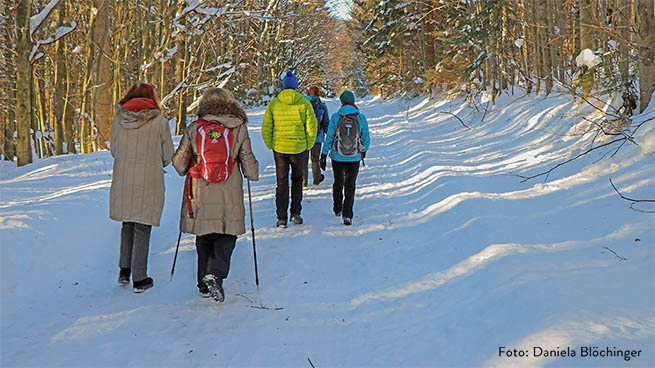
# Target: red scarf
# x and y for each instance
(349, 104)
(139, 103)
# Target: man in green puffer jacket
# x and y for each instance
(289, 129)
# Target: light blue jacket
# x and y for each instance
(332, 131)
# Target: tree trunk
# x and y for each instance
(23, 83)
(102, 101)
(180, 73)
(586, 39)
(646, 41)
(60, 97)
(9, 142)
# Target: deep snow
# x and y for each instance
(450, 256)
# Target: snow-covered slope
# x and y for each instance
(450, 256)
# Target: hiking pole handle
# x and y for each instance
(252, 228)
(177, 247)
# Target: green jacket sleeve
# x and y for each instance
(267, 126)
(310, 125)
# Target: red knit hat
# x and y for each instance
(314, 90)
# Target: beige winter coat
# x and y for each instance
(141, 145)
(217, 207)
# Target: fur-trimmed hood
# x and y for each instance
(134, 119)
(229, 110)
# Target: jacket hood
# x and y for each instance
(347, 110)
(134, 119)
(290, 97)
(313, 98)
(221, 108)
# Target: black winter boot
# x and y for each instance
(143, 285)
(124, 276)
(215, 288)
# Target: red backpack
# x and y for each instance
(215, 142)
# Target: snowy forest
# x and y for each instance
(66, 63)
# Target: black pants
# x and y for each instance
(135, 242)
(316, 169)
(345, 176)
(214, 253)
(297, 163)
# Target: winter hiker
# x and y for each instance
(347, 141)
(214, 154)
(289, 129)
(322, 119)
(141, 146)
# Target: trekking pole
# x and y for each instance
(175, 258)
(252, 228)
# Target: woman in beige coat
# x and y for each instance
(216, 212)
(141, 145)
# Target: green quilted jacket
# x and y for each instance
(289, 124)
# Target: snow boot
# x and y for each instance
(337, 213)
(215, 288)
(281, 223)
(320, 180)
(296, 219)
(203, 290)
(347, 221)
(143, 285)
(124, 276)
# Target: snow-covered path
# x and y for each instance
(450, 256)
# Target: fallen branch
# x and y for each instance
(633, 200)
(526, 178)
(450, 113)
(617, 256)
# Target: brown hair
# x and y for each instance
(140, 89)
(314, 90)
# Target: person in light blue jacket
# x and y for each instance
(347, 147)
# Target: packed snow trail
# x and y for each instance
(450, 256)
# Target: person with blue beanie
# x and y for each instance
(347, 141)
(289, 130)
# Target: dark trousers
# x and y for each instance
(316, 169)
(214, 253)
(135, 242)
(345, 176)
(297, 163)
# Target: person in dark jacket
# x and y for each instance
(323, 120)
(345, 167)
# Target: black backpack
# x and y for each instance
(348, 142)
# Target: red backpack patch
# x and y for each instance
(215, 142)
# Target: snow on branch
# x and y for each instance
(59, 33)
(37, 20)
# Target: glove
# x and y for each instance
(363, 154)
(323, 161)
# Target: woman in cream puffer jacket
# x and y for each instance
(141, 146)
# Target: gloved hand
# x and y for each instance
(323, 161)
(363, 154)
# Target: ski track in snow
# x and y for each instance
(449, 258)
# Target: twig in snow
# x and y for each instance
(450, 113)
(260, 306)
(617, 256)
(526, 178)
(633, 200)
(310, 363)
